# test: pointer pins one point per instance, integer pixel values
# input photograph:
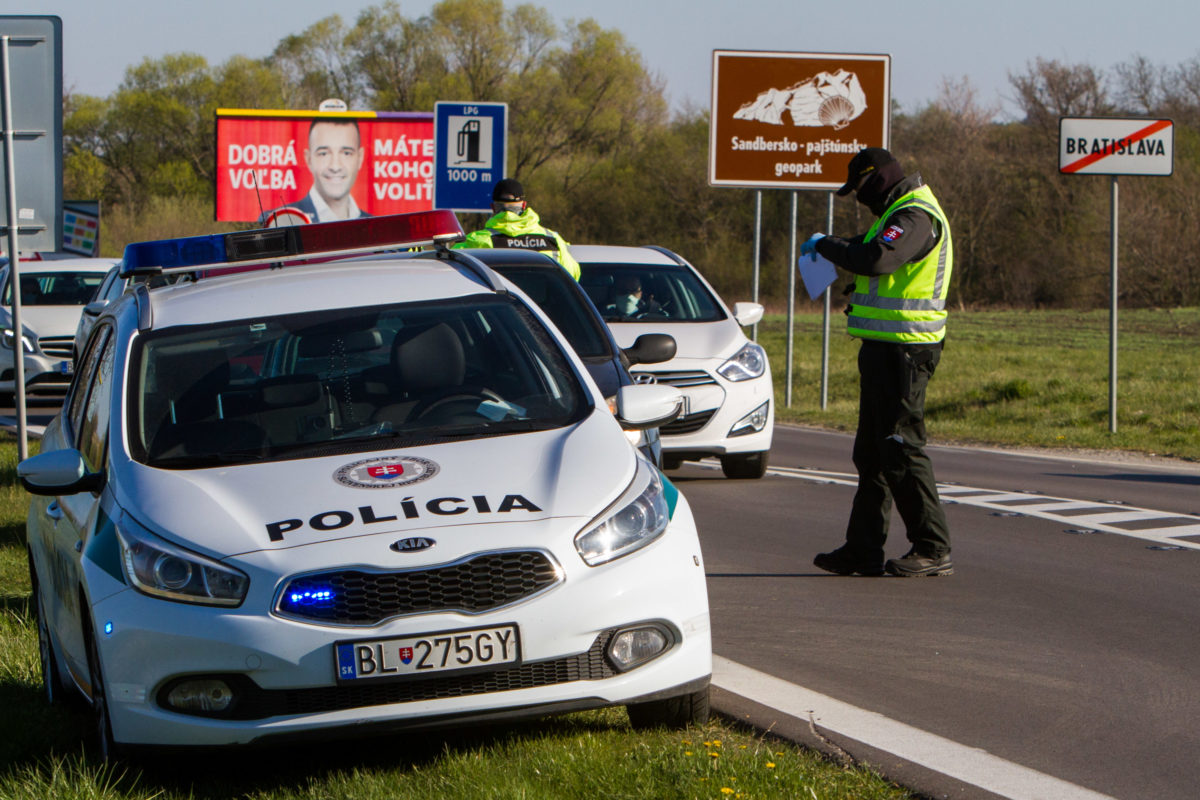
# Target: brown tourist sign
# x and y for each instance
(794, 120)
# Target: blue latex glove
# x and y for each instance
(809, 248)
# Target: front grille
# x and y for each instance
(681, 378)
(355, 597)
(57, 346)
(689, 424)
(258, 703)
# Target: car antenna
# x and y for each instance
(258, 197)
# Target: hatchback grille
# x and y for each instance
(258, 703)
(689, 424)
(680, 378)
(356, 597)
(57, 346)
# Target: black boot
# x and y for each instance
(845, 561)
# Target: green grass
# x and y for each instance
(591, 754)
(1024, 378)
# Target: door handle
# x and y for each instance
(54, 511)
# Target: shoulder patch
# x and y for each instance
(891, 233)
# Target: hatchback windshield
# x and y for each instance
(363, 378)
(55, 288)
(635, 292)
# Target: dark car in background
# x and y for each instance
(573, 313)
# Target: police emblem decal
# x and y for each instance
(386, 473)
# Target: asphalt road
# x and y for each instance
(1066, 641)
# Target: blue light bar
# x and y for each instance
(271, 246)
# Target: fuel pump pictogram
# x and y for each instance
(467, 143)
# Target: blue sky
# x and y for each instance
(929, 40)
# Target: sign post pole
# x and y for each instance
(825, 318)
(791, 304)
(1112, 317)
(14, 257)
(757, 255)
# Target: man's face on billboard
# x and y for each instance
(334, 156)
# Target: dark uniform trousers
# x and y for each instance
(889, 450)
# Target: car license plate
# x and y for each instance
(427, 654)
(64, 367)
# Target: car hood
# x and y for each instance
(693, 340)
(46, 320)
(572, 472)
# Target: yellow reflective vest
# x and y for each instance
(525, 232)
(907, 306)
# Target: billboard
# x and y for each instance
(290, 167)
(794, 120)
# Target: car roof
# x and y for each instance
(353, 283)
(512, 257)
(612, 254)
(100, 265)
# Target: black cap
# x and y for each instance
(508, 190)
(864, 164)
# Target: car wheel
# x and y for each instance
(671, 462)
(745, 466)
(673, 712)
(51, 675)
(108, 749)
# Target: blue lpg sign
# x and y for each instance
(469, 154)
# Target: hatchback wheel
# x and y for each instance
(745, 466)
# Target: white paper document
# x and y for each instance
(818, 275)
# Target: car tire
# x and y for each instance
(745, 466)
(52, 684)
(107, 748)
(671, 462)
(673, 712)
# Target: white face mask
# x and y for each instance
(628, 304)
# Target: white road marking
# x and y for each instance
(968, 764)
(1104, 516)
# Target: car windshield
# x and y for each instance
(551, 289)
(345, 380)
(62, 288)
(636, 293)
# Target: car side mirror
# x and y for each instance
(651, 348)
(58, 472)
(747, 314)
(94, 308)
(647, 405)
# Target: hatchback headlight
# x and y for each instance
(156, 567)
(749, 362)
(640, 517)
(10, 335)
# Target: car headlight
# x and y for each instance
(156, 567)
(749, 362)
(640, 517)
(9, 336)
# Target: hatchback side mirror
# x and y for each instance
(651, 348)
(58, 472)
(747, 314)
(647, 405)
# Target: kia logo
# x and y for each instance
(413, 544)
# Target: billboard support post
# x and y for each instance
(14, 257)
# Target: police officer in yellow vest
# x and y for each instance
(515, 224)
(898, 309)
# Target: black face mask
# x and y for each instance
(874, 191)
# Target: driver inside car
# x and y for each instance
(629, 301)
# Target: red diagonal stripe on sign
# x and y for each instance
(1088, 160)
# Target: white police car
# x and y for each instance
(725, 378)
(364, 494)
